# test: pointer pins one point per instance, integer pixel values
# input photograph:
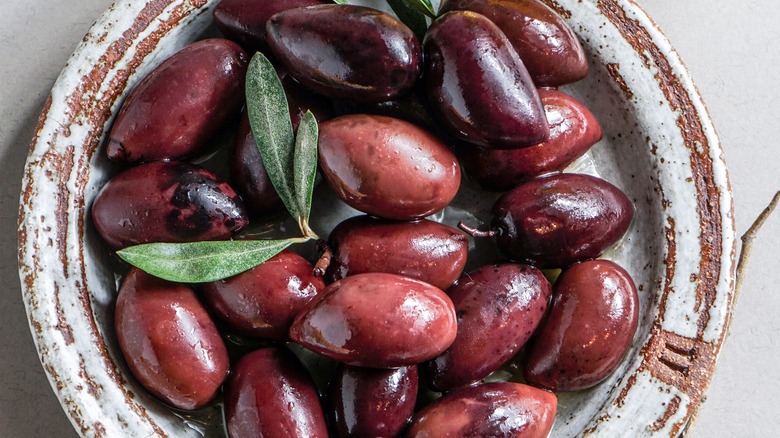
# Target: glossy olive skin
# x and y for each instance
(478, 86)
(269, 393)
(387, 167)
(166, 202)
(243, 21)
(573, 130)
(263, 301)
(378, 320)
(346, 51)
(246, 164)
(168, 340)
(429, 251)
(557, 220)
(500, 409)
(174, 111)
(498, 309)
(546, 44)
(369, 402)
(590, 326)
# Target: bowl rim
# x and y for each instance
(52, 252)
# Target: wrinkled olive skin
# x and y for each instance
(498, 309)
(478, 86)
(243, 21)
(269, 393)
(428, 251)
(378, 320)
(500, 409)
(247, 169)
(176, 109)
(558, 220)
(166, 202)
(387, 167)
(263, 301)
(590, 326)
(346, 51)
(546, 44)
(370, 402)
(168, 340)
(573, 130)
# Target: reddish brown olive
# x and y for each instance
(592, 321)
(429, 251)
(269, 393)
(370, 402)
(378, 320)
(174, 111)
(573, 130)
(160, 327)
(500, 409)
(498, 309)
(387, 167)
(263, 301)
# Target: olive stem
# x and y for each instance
(474, 232)
(747, 242)
(324, 260)
(306, 230)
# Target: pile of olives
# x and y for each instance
(398, 118)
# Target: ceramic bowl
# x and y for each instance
(659, 147)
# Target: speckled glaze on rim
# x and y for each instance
(659, 147)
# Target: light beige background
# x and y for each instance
(731, 49)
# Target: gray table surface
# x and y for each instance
(732, 53)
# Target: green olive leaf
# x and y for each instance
(269, 117)
(199, 262)
(341, 2)
(410, 16)
(305, 168)
(421, 6)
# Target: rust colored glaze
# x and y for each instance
(614, 71)
(671, 408)
(563, 12)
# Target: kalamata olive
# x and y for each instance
(243, 21)
(246, 165)
(168, 340)
(478, 85)
(270, 394)
(561, 219)
(263, 301)
(500, 409)
(573, 130)
(498, 309)
(346, 51)
(590, 326)
(173, 112)
(378, 320)
(166, 202)
(546, 44)
(387, 167)
(425, 250)
(371, 402)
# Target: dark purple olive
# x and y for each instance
(573, 130)
(425, 250)
(346, 52)
(270, 394)
(243, 21)
(263, 301)
(554, 221)
(547, 45)
(370, 402)
(479, 86)
(498, 309)
(246, 165)
(168, 340)
(387, 167)
(378, 320)
(166, 202)
(590, 326)
(174, 111)
(500, 409)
